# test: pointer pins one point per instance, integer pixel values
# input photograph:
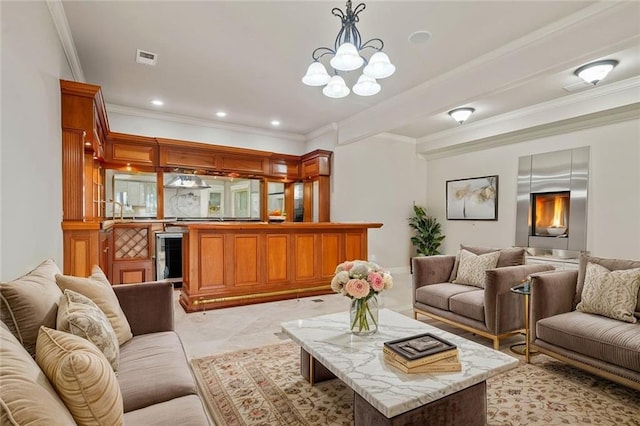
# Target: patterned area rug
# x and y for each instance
(263, 386)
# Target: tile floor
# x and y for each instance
(229, 329)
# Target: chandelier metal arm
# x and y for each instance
(367, 45)
(326, 51)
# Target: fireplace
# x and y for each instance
(551, 210)
(550, 216)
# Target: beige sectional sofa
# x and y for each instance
(599, 343)
(153, 383)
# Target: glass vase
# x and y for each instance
(364, 316)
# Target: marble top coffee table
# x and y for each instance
(383, 393)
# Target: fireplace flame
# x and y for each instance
(558, 213)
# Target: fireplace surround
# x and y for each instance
(551, 211)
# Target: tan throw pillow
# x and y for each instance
(613, 294)
(78, 315)
(472, 268)
(508, 257)
(26, 396)
(30, 301)
(82, 377)
(98, 289)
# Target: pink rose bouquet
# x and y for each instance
(361, 281)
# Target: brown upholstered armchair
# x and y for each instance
(604, 346)
(493, 311)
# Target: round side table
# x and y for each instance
(524, 290)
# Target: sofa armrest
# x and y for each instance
(551, 294)
(148, 306)
(504, 310)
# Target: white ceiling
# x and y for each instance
(247, 58)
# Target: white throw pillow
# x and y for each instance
(613, 294)
(472, 268)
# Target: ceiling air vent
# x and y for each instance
(146, 58)
(575, 87)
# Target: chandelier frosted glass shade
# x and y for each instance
(366, 86)
(594, 72)
(461, 114)
(347, 58)
(336, 88)
(316, 75)
(379, 66)
(347, 55)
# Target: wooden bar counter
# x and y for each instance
(239, 263)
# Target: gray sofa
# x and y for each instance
(604, 346)
(154, 377)
(493, 312)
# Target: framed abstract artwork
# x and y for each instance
(473, 198)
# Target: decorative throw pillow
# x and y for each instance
(98, 289)
(78, 315)
(26, 396)
(508, 257)
(613, 294)
(472, 268)
(82, 377)
(30, 301)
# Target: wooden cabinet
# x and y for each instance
(235, 264)
(132, 256)
(131, 150)
(316, 163)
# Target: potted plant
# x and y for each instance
(428, 234)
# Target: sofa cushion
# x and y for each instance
(186, 410)
(469, 304)
(98, 289)
(595, 336)
(610, 264)
(153, 368)
(78, 315)
(508, 257)
(31, 301)
(437, 295)
(472, 268)
(613, 294)
(81, 375)
(26, 396)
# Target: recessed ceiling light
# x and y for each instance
(275, 123)
(420, 37)
(221, 114)
(157, 102)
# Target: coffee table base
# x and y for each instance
(467, 407)
(312, 370)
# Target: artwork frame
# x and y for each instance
(472, 198)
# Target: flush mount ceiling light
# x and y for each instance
(347, 56)
(461, 114)
(595, 71)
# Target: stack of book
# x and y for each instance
(424, 353)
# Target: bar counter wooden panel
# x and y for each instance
(233, 263)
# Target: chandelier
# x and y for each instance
(347, 56)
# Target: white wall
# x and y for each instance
(613, 215)
(31, 152)
(378, 180)
(199, 131)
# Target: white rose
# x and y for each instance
(342, 277)
(387, 281)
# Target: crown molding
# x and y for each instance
(331, 127)
(182, 119)
(396, 138)
(596, 119)
(66, 39)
